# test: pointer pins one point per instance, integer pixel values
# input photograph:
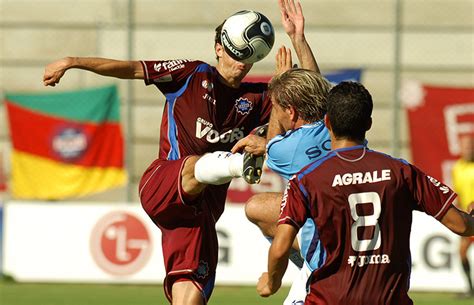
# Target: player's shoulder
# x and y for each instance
(317, 165)
(375, 154)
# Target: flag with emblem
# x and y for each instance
(66, 144)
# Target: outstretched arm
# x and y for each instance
(292, 20)
(459, 222)
(270, 281)
(103, 66)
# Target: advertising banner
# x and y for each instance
(104, 243)
(437, 117)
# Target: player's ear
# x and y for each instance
(292, 113)
(327, 122)
(219, 49)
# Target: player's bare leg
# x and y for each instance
(263, 210)
(186, 293)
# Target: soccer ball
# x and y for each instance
(247, 36)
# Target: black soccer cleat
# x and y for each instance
(253, 166)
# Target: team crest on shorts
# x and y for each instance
(202, 270)
(243, 105)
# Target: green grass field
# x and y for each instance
(12, 293)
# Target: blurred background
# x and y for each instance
(400, 46)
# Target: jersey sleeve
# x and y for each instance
(293, 209)
(168, 75)
(432, 197)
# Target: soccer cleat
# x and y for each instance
(252, 170)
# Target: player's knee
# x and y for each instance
(189, 184)
(252, 208)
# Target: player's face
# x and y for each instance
(281, 115)
(229, 67)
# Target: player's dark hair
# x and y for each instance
(349, 109)
(304, 90)
(217, 35)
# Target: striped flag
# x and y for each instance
(65, 144)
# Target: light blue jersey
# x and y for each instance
(287, 154)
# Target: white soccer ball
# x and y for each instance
(247, 36)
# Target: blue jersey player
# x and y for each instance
(297, 136)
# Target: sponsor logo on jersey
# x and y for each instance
(69, 143)
(209, 98)
(170, 66)
(205, 130)
(157, 67)
(443, 188)
(361, 178)
(363, 260)
(207, 85)
(243, 105)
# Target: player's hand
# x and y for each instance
(262, 286)
(283, 60)
(252, 144)
(292, 18)
(54, 71)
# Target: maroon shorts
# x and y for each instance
(189, 238)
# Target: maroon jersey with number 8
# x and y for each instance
(361, 202)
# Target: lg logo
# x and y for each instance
(120, 243)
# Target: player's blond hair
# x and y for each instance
(303, 89)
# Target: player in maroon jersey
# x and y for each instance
(208, 110)
(361, 202)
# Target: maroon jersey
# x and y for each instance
(361, 202)
(202, 114)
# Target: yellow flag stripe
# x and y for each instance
(35, 177)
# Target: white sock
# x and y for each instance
(298, 292)
(218, 167)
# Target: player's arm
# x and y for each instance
(292, 20)
(270, 281)
(255, 143)
(459, 222)
(103, 66)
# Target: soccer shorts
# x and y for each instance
(189, 238)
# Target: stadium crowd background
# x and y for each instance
(390, 40)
